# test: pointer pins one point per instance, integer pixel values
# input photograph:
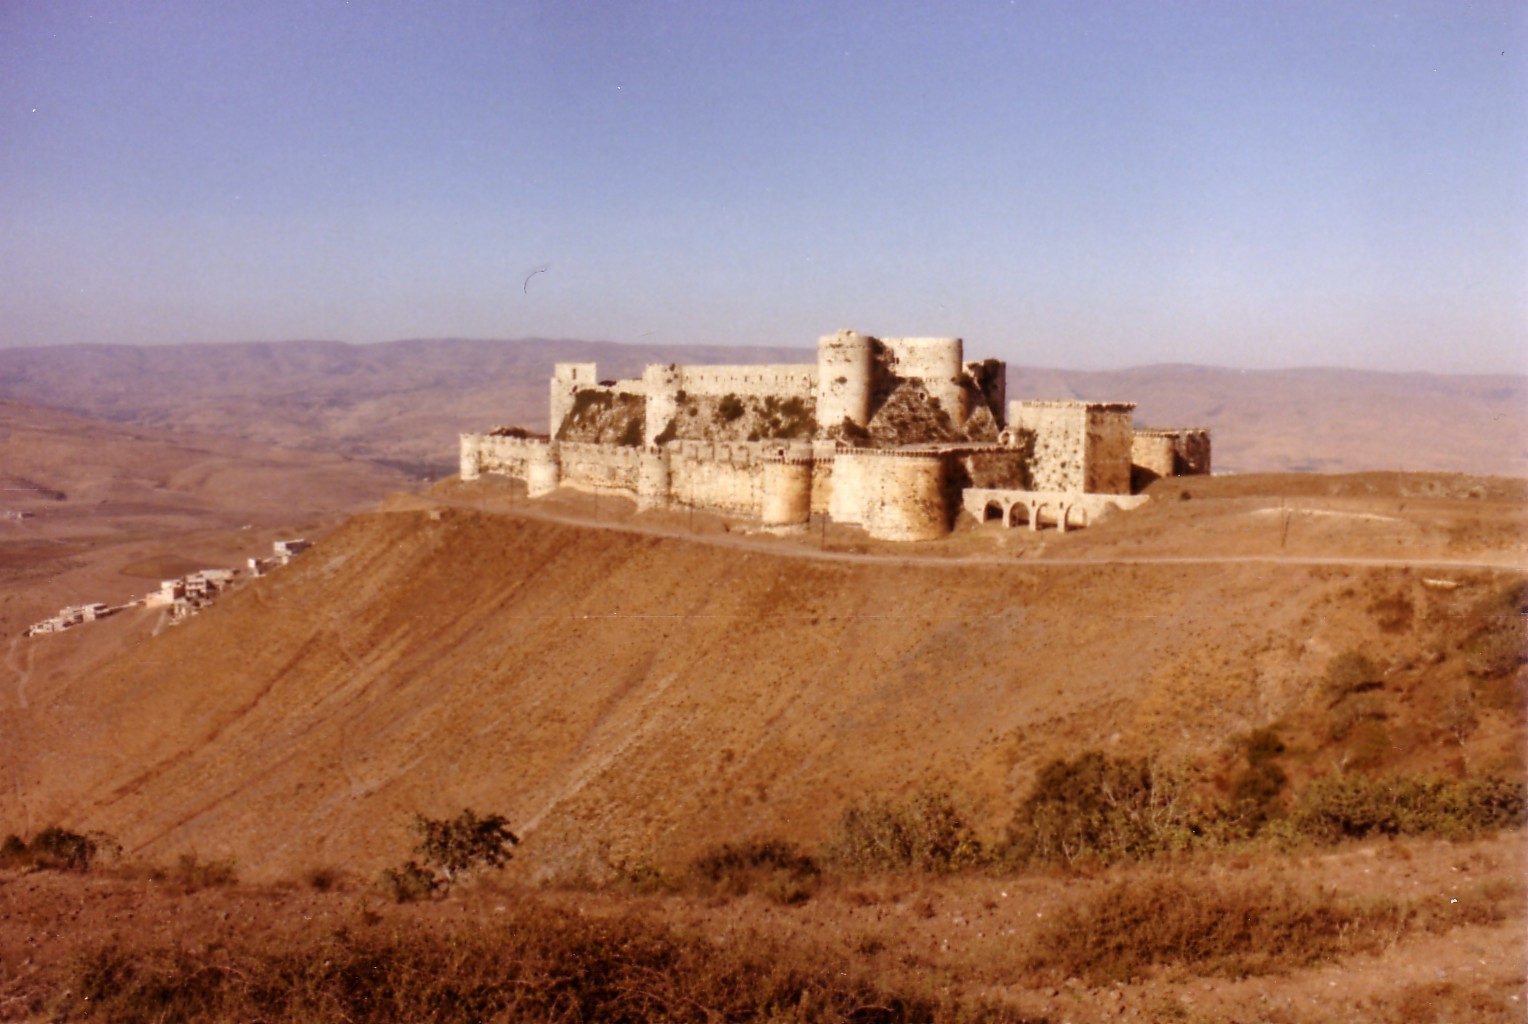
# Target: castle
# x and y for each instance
(897, 435)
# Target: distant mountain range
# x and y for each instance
(402, 403)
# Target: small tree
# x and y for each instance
(448, 849)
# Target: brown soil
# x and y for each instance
(967, 937)
(648, 695)
(636, 687)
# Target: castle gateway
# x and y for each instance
(896, 435)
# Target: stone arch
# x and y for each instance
(994, 510)
(1076, 517)
(1043, 514)
(1018, 514)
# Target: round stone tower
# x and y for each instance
(654, 478)
(908, 500)
(660, 383)
(543, 471)
(939, 363)
(845, 376)
(788, 490)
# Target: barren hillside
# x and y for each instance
(636, 694)
(95, 511)
(404, 402)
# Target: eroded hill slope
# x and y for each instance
(641, 696)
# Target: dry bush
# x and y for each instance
(325, 878)
(58, 849)
(1352, 806)
(773, 868)
(191, 873)
(1096, 807)
(1238, 927)
(1349, 672)
(535, 964)
(927, 833)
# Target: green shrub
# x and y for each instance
(928, 833)
(631, 435)
(729, 408)
(1102, 808)
(1497, 641)
(852, 432)
(449, 848)
(1348, 714)
(59, 849)
(1347, 673)
(1341, 806)
(325, 878)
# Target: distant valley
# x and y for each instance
(402, 403)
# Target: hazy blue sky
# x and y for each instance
(1064, 184)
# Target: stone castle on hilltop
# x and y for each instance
(897, 435)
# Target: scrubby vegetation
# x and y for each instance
(732, 417)
(449, 849)
(1231, 927)
(778, 870)
(1104, 810)
(533, 963)
(57, 849)
(599, 416)
(927, 833)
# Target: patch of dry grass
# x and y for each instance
(1236, 927)
(534, 963)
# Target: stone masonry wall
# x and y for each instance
(1060, 430)
(724, 477)
(1079, 446)
(508, 456)
(1108, 451)
(599, 466)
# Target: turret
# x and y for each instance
(845, 374)
(567, 379)
(654, 477)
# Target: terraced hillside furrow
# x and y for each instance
(636, 696)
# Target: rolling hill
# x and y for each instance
(402, 403)
(645, 694)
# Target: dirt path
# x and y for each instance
(966, 562)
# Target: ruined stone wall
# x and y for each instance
(939, 363)
(787, 487)
(782, 381)
(823, 462)
(1193, 452)
(664, 384)
(1151, 457)
(1183, 451)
